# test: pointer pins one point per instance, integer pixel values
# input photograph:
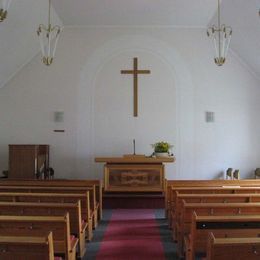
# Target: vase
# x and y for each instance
(161, 154)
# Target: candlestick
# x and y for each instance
(134, 145)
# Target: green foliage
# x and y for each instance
(162, 147)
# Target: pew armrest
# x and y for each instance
(84, 226)
(187, 247)
(74, 243)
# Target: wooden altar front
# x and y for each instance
(134, 173)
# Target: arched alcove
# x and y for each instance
(90, 73)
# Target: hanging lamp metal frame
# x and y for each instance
(221, 36)
(49, 36)
(5, 4)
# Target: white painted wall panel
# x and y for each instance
(83, 82)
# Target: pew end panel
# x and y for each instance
(26, 247)
(64, 243)
(239, 248)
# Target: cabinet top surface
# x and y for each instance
(28, 145)
(134, 159)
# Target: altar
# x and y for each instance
(134, 173)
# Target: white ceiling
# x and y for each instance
(242, 15)
(19, 43)
(135, 12)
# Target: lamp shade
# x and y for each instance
(48, 37)
(221, 39)
(221, 36)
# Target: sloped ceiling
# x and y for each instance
(18, 39)
(195, 13)
(19, 43)
(243, 17)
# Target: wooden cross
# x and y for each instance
(135, 73)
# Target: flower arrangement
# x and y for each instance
(162, 147)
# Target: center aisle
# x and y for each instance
(131, 234)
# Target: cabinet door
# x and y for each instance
(22, 161)
(141, 178)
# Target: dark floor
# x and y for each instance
(151, 200)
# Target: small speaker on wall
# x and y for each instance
(58, 116)
(210, 117)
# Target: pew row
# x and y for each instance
(63, 242)
(77, 225)
(61, 183)
(206, 198)
(211, 198)
(239, 248)
(38, 189)
(222, 226)
(175, 184)
(54, 198)
(208, 190)
(209, 209)
(27, 248)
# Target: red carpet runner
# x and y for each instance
(131, 234)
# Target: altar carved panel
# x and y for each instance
(140, 177)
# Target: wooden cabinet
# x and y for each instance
(134, 177)
(28, 161)
(134, 173)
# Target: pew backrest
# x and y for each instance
(27, 248)
(46, 209)
(238, 248)
(39, 225)
(77, 225)
(223, 226)
(50, 197)
(206, 198)
(39, 189)
(184, 224)
(179, 184)
(97, 184)
(209, 190)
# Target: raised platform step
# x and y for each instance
(133, 200)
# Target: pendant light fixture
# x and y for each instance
(221, 36)
(4, 6)
(48, 36)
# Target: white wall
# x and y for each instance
(85, 82)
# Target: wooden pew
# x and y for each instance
(27, 248)
(61, 183)
(208, 190)
(77, 226)
(239, 248)
(54, 198)
(39, 189)
(174, 184)
(205, 198)
(64, 243)
(222, 226)
(210, 209)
